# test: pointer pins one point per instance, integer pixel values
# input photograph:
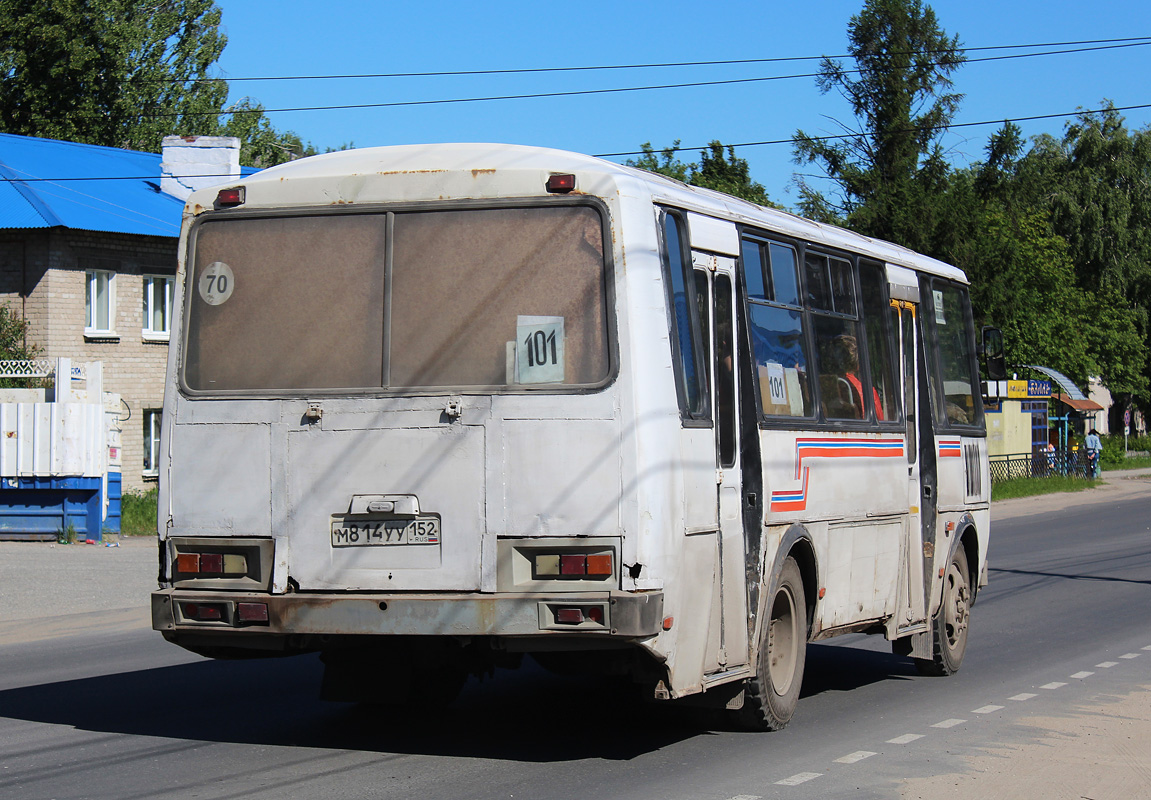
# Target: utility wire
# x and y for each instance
(539, 70)
(833, 137)
(673, 149)
(584, 92)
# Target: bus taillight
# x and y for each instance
(574, 565)
(229, 198)
(561, 184)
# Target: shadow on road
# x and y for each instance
(1068, 575)
(525, 715)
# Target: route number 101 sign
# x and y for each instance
(539, 349)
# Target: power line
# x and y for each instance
(908, 130)
(585, 92)
(657, 65)
(673, 149)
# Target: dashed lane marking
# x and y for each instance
(1053, 685)
(949, 723)
(798, 778)
(1130, 655)
(746, 797)
(1019, 698)
(906, 738)
(857, 756)
(1107, 664)
(1082, 675)
(1148, 647)
(987, 709)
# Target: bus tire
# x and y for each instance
(771, 696)
(950, 626)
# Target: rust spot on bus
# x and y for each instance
(478, 172)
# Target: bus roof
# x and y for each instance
(480, 158)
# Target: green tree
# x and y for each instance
(1023, 271)
(14, 337)
(718, 169)
(1099, 178)
(1095, 184)
(14, 346)
(120, 73)
(890, 163)
(261, 145)
(666, 162)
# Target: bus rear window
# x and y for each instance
(509, 297)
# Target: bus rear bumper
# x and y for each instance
(186, 615)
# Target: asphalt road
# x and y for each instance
(98, 706)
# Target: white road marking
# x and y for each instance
(1081, 675)
(1148, 647)
(906, 738)
(987, 709)
(949, 723)
(1130, 655)
(1053, 685)
(852, 758)
(1107, 664)
(746, 797)
(1019, 698)
(795, 780)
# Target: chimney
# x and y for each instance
(195, 162)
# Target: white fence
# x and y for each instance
(58, 432)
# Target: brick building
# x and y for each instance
(88, 243)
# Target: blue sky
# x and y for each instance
(292, 37)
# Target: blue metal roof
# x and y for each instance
(123, 196)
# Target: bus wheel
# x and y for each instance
(771, 696)
(950, 624)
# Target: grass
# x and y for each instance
(138, 513)
(1029, 487)
(1141, 462)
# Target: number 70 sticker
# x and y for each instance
(539, 349)
(216, 283)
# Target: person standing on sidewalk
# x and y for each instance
(1094, 447)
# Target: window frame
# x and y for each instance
(765, 240)
(933, 353)
(388, 211)
(91, 314)
(147, 284)
(889, 334)
(819, 420)
(701, 418)
(153, 420)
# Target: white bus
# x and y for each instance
(432, 408)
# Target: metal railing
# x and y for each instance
(1032, 465)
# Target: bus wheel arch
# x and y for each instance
(798, 546)
(771, 696)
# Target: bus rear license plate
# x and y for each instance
(367, 533)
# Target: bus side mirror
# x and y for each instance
(993, 362)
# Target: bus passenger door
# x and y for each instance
(920, 483)
(729, 479)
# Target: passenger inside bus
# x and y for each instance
(839, 380)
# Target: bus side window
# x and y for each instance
(688, 311)
(953, 336)
(843, 388)
(871, 280)
(778, 339)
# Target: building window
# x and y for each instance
(157, 307)
(100, 300)
(152, 418)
